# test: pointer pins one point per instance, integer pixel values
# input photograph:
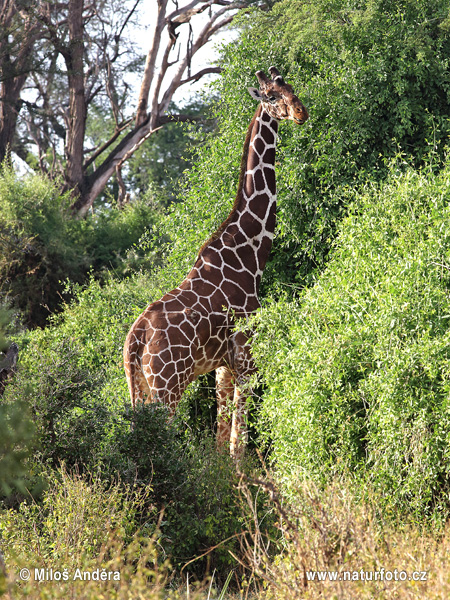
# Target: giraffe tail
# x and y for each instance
(130, 366)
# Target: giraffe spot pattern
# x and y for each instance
(226, 276)
(189, 331)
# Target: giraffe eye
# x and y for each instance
(272, 99)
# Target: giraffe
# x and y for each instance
(190, 330)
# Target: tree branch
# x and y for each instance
(107, 144)
(200, 74)
(149, 69)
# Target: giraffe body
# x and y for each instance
(189, 331)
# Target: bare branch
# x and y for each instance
(191, 10)
(107, 144)
(204, 36)
(141, 113)
(125, 23)
(162, 73)
(200, 74)
(188, 8)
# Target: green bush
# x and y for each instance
(16, 431)
(357, 370)
(72, 380)
(73, 521)
(374, 78)
(42, 245)
(71, 374)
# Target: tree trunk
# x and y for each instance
(73, 56)
(147, 79)
(13, 71)
(9, 111)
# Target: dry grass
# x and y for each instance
(83, 542)
(329, 531)
(84, 525)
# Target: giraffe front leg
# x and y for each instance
(224, 392)
(239, 433)
(243, 367)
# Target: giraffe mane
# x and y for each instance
(238, 198)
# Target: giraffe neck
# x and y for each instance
(257, 186)
(249, 229)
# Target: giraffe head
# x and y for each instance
(278, 98)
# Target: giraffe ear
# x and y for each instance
(255, 94)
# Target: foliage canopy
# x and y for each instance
(359, 382)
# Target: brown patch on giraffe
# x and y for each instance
(171, 304)
(159, 341)
(250, 224)
(188, 298)
(258, 205)
(271, 221)
(263, 252)
(205, 304)
(259, 146)
(249, 186)
(218, 299)
(269, 156)
(230, 273)
(252, 302)
(153, 363)
(231, 291)
(207, 289)
(267, 134)
(260, 183)
(246, 283)
(233, 236)
(270, 179)
(193, 315)
(231, 259)
(248, 258)
(211, 256)
(165, 356)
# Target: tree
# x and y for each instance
(16, 52)
(160, 162)
(83, 50)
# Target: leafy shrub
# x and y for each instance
(56, 391)
(74, 519)
(16, 441)
(194, 485)
(71, 375)
(374, 78)
(42, 246)
(16, 432)
(358, 370)
(81, 523)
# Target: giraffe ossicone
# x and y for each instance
(190, 330)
